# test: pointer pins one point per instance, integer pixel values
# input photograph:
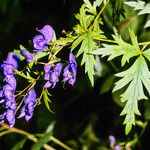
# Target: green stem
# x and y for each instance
(5, 132)
(144, 43)
(55, 140)
(98, 15)
(28, 135)
(106, 40)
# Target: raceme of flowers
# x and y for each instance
(7, 98)
(52, 74)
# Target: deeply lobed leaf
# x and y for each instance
(136, 78)
(122, 48)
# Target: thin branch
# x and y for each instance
(28, 135)
(55, 140)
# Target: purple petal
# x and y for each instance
(47, 85)
(29, 57)
(31, 97)
(7, 69)
(22, 114)
(47, 32)
(112, 141)
(58, 69)
(10, 117)
(117, 147)
(39, 42)
(72, 81)
(47, 68)
(72, 59)
(10, 79)
(30, 108)
(12, 59)
(27, 117)
(46, 76)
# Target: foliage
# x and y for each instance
(125, 74)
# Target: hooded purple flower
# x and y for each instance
(48, 33)
(28, 56)
(12, 59)
(52, 75)
(28, 108)
(10, 63)
(70, 70)
(7, 69)
(41, 41)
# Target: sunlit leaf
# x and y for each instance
(46, 99)
(30, 79)
(135, 78)
(122, 48)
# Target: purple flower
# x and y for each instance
(41, 41)
(10, 117)
(47, 68)
(48, 33)
(52, 75)
(7, 69)
(8, 91)
(29, 57)
(117, 147)
(10, 63)
(12, 59)
(28, 108)
(70, 70)
(7, 94)
(10, 79)
(112, 141)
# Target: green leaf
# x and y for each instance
(145, 10)
(146, 53)
(87, 46)
(19, 145)
(22, 47)
(122, 48)
(41, 54)
(147, 24)
(135, 78)
(24, 76)
(46, 99)
(43, 140)
(77, 41)
(137, 5)
(97, 3)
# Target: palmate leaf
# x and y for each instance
(134, 80)
(137, 76)
(121, 48)
(87, 32)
